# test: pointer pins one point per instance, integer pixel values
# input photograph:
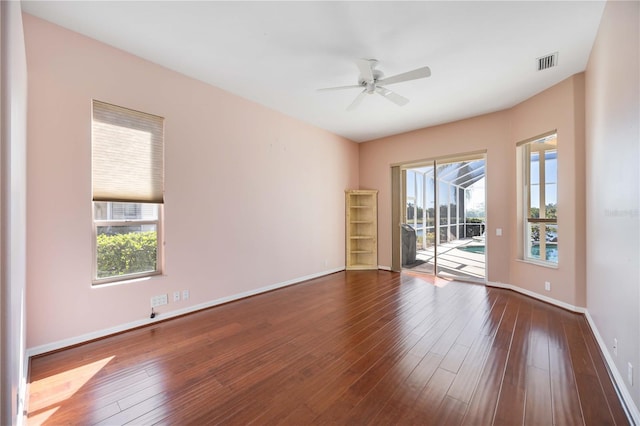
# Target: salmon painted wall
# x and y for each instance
(613, 188)
(488, 132)
(561, 107)
(253, 198)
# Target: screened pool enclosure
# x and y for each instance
(444, 218)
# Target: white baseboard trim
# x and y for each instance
(627, 401)
(384, 268)
(539, 296)
(49, 347)
(620, 384)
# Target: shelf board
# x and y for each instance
(362, 266)
(361, 252)
(361, 237)
(361, 221)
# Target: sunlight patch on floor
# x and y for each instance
(436, 281)
(43, 403)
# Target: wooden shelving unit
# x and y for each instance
(361, 229)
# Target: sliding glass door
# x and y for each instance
(419, 222)
(443, 220)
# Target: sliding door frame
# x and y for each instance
(398, 205)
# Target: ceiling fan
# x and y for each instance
(371, 81)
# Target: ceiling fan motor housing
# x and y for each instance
(377, 75)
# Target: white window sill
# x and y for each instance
(539, 263)
(125, 280)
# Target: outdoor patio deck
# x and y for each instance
(452, 262)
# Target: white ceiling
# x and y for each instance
(482, 54)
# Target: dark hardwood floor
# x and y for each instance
(365, 347)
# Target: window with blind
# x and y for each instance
(540, 177)
(128, 185)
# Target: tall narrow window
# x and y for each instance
(540, 161)
(128, 186)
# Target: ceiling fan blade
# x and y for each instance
(406, 76)
(392, 96)
(366, 68)
(357, 100)
(353, 86)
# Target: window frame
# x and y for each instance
(127, 222)
(527, 220)
(156, 197)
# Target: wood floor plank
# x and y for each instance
(538, 353)
(371, 403)
(355, 347)
(454, 358)
(538, 410)
(617, 411)
(398, 369)
(595, 407)
(405, 396)
(450, 412)
(429, 400)
(481, 408)
(321, 401)
(469, 372)
(538, 405)
(288, 396)
(564, 392)
(511, 401)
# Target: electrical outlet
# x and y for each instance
(615, 347)
(630, 373)
(176, 296)
(159, 300)
(185, 294)
(547, 285)
(499, 232)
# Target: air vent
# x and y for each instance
(547, 61)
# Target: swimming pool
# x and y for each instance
(472, 249)
(551, 250)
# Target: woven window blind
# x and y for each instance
(127, 155)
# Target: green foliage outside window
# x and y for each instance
(130, 253)
(551, 212)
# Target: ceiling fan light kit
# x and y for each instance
(371, 81)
